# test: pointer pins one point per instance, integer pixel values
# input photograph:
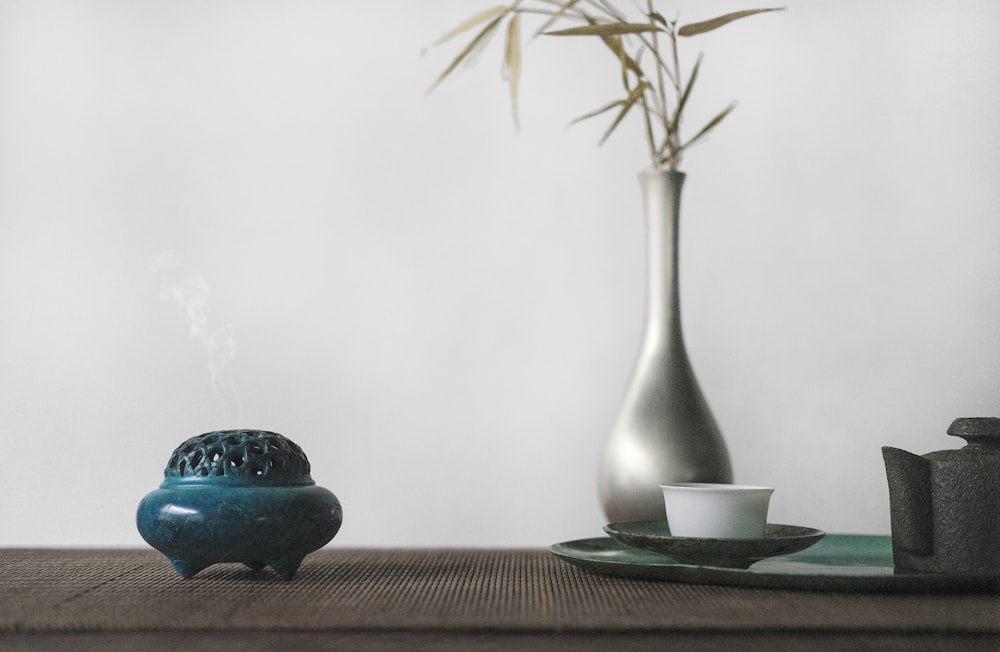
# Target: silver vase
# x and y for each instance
(665, 431)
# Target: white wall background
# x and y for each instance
(443, 312)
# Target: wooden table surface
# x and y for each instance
(466, 599)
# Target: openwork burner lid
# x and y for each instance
(238, 458)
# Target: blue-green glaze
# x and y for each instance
(243, 496)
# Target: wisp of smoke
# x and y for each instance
(191, 293)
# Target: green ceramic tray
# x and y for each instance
(839, 562)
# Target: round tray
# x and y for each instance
(838, 562)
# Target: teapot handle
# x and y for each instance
(909, 479)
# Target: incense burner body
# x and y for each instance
(242, 496)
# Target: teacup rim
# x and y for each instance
(715, 486)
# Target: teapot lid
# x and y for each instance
(977, 431)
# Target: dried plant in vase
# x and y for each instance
(665, 431)
(652, 80)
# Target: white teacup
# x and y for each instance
(716, 511)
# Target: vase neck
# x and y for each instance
(661, 195)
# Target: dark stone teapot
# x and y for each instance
(945, 506)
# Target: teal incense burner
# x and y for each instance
(238, 496)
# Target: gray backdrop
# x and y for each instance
(218, 214)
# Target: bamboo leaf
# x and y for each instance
(615, 44)
(471, 47)
(630, 101)
(658, 17)
(606, 29)
(476, 52)
(512, 64)
(687, 92)
(476, 20)
(566, 6)
(711, 125)
(597, 112)
(715, 23)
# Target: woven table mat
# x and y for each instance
(407, 590)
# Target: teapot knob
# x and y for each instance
(977, 431)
